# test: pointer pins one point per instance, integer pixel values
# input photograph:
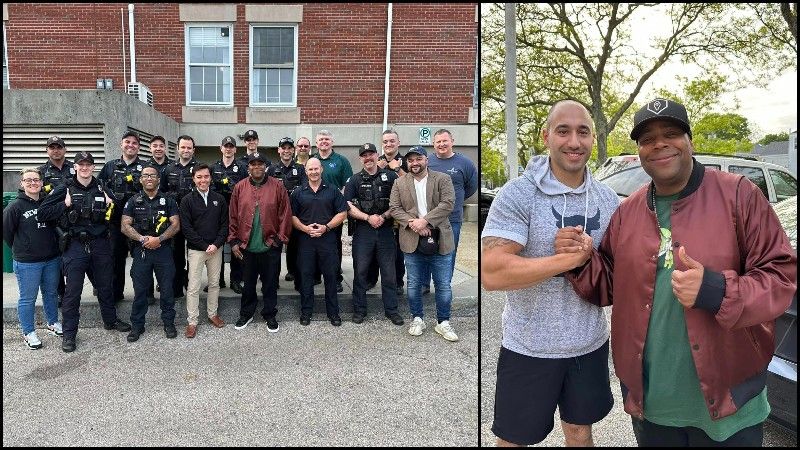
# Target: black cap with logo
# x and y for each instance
(660, 109)
(84, 156)
(366, 148)
(250, 134)
(228, 140)
(55, 140)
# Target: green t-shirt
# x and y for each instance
(672, 395)
(336, 169)
(256, 242)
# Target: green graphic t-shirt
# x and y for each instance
(672, 395)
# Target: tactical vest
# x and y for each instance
(150, 216)
(373, 193)
(87, 207)
(225, 178)
(125, 180)
(290, 176)
(53, 178)
(179, 179)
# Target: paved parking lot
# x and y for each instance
(613, 431)
(356, 385)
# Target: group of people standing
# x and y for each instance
(695, 264)
(175, 218)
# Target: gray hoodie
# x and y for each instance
(549, 320)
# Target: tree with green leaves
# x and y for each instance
(586, 52)
(770, 138)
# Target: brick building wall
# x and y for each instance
(341, 61)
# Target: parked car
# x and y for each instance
(782, 371)
(484, 203)
(624, 174)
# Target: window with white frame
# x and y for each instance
(209, 64)
(273, 67)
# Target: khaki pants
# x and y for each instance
(213, 264)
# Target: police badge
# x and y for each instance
(162, 201)
(139, 167)
(235, 168)
(215, 203)
(384, 177)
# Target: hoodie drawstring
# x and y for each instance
(585, 210)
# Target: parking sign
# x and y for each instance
(425, 136)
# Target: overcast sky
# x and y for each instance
(769, 110)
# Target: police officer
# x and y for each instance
(55, 172)
(225, 173)
(177, 183)
(121, 177)
(367, 193)
(251, 147)
(292, 175)
(84, 209)
(160, 160)
(317, 210)
(150, 219)
(391, 159)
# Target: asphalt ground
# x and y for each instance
(613, 431)
(356, 385)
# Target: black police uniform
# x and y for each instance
(292, 176)
(318, 207)
(223, 179)
(399, 260)
(87, 225)
(151, 218)
(177, 182)
(370, 194)
(161, 168)
(53, 177)
(123, 181)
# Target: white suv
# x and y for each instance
(624, 174)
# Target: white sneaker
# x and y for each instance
(32, 340)
(446, 331)
(55, 329)
(416, 326)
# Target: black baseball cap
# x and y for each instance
(418, 150)
(84, 156)
(55, 140)
(130, 133)
(366, 148)
(660, 109)
(250, 134)
(256, 157)
(286, 140)
(158, 138)
(228, 140)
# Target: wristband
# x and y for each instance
(327, 228)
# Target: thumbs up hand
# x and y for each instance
(686, 283)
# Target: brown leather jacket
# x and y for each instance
(273, 206)
(717, 217)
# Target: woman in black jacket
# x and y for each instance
(34, 247)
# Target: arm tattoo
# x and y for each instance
(174, 227)
(491, 242)
(127, 228)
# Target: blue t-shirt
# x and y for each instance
(465, 179)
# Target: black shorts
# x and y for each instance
(528, 390)
(649, 434)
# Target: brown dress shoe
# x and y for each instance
(216, 321)
(191, 330)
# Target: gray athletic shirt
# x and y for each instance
(549, 320)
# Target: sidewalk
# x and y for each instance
(464, 285)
